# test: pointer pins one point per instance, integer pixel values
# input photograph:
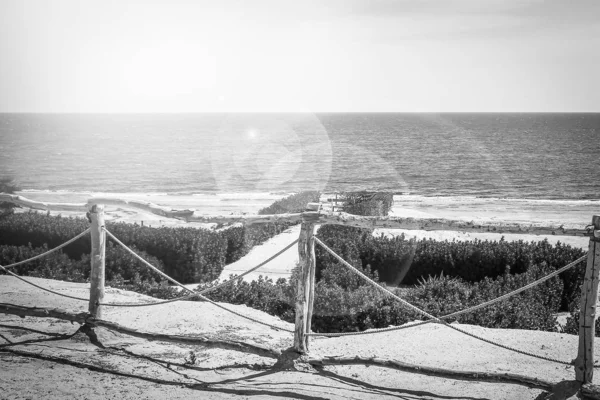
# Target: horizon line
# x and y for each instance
(299, 112)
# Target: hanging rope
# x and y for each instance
(426, 314)
(49, 251)
(40, 287)
(190, 290)
(4, 268)
(465, 311)
(207, 290)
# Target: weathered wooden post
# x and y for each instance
(584, 363)
(311, 261)
(97, 260)
(306, 279)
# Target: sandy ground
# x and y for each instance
(223, 374)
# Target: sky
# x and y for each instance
(301, 56)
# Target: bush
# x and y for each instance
(295, 203)
(149, 287)
(469, 272)
(273, 298)
(345, 241)
(241, 239)
(533, 309)
(572, 325)
(119, 264)
(41, 229)
(367, 203)
(337, 309)
(472, 261)
(187, 254)
(56, 265)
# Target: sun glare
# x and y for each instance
(252, 133)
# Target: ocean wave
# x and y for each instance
(408, 199)
(489, 200)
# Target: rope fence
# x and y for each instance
(49, 251)
(426, 314)
(306, 284)
(461, 312)
(200, 294)
(207, 290)
(68, 242)
(152, 267)
(41, 287)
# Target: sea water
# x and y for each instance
(524, 167)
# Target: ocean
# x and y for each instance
(451, 161)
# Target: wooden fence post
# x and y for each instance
(97, 260)
(306, 279)
(311, 263)
(584, 363)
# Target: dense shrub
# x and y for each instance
(122, 269)
(572, 325)
(367, 203)
(40, 229)
(337, 309)
(366, 308)
(273, 298)
(346, 242)
(241, 239)
(119, 264)
(149, 287)
(56, 265)
(472, 261)
(532, 309)
(473, 272)
(295, 203)
(187, 254)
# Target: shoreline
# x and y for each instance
(404, 206)
(457, 208)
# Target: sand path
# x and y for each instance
(280, 267)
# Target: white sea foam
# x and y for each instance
(483, 209)
(419, 199)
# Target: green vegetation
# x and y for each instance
(367, 203)
(344, 302)
(342, 308)
(187, 254)
(471, 261)
(444, 277)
